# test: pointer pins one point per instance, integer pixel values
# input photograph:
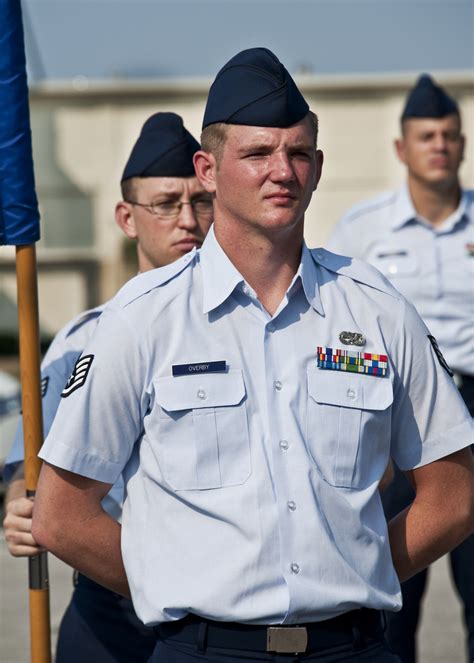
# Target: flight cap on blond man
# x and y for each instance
(254, 89)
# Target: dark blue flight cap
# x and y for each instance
(255, 89)
(427, 99)
(163, 149)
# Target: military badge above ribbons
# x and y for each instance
(353, 362)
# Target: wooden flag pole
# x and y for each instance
(40, 631)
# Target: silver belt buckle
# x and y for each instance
(287, 639)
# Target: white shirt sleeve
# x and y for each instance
(100, 415)
(55, 370)
(429, 417)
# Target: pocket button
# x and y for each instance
(201, 394)
(351, 393)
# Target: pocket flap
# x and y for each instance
(366, 392)
(394, 261)
(189, 392)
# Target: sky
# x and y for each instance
(166, 38)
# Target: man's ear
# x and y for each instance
(205, 166)
(319, 168)
(463, 141)
(399, 144)
(125, 219)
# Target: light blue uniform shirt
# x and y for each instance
(252, 493)
(56, 368)
(433, 267)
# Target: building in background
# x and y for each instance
(83, 132)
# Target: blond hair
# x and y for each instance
(214, 136)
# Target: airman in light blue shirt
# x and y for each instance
(252, 393)
(422, 238)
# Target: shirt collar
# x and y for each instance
(404, 211)
(220, 277)
(308, 273)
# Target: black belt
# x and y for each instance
(351, 627)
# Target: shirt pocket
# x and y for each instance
(395, 263)
(348, 425)
(203, 437)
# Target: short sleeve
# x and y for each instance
(429, 417)
(55, 370)
(100, 415)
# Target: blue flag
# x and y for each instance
(19, 215)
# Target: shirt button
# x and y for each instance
(201, 394)
(284, 445)
(295, 568)
(271, 327)
(393, 269)
(320, 256)
(351, 393)
(277, 385)
(291, 505)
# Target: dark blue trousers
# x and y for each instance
(101, 627)
(173, 652)
(402, 626)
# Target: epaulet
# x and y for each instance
(82, 319)
(369, 205)
(355, 269)
(152, 279)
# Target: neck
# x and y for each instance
(434, 203)
(267, 261)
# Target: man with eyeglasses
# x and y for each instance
(167, 211)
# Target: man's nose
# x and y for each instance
(282, 169)
(186, 218)
(440, 142)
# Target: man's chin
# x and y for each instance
(441, 179)
(185, 247)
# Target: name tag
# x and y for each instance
(200, 367)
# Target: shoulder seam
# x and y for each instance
(170, 275)
(370, 207)
(382, 280)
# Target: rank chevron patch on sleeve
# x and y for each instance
(78, 376)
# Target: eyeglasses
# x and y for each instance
(202, 209)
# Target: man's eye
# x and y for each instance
(164, 207)
(302, 155)
(202, 205)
